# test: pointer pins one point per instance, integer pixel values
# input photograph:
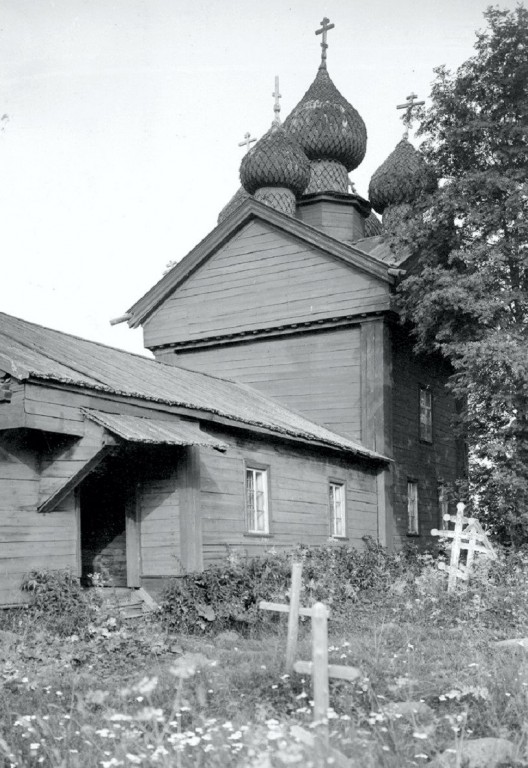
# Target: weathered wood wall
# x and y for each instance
(262, 278)
(298, 497)
(427, 464)
(317, 374)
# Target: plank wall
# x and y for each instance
(29, 539)
(427, 464)
(298, 497)
(260, 279)
(159, 507)
(317, 374)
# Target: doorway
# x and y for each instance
(103, 512)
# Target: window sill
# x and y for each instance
(340, 538)
(413, 535)
(254, 535)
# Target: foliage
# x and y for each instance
(58, 600)
(226, 596)
(431, 679)
(466, 291)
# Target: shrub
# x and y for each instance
(226, 596)
(58, 599)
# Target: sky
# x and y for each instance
(119, 141)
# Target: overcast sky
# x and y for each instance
(120, 144)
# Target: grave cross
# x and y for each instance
(409, 105)
(472, 538)
(325, 27)
(276, 106)
(248, 141)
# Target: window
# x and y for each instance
(426, 415)
(337, 509)
(257, 510)
(412, 507)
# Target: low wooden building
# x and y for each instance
(112, 462)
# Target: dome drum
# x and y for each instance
(327, 176)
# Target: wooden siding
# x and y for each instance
(317, 374)
(29, 539)
(159, 506)
(299, 505)
(337, 219)
(427, 464)
(260, 279)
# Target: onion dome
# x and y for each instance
(275, 161)
(373, 225)
(326, 126)
(402, 178)
(236, 201)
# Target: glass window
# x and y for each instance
(426, 415)
(257, 501)
(337, 509)
(412, 507)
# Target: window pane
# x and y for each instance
(257, 501)
(337, 509)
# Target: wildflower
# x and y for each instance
(34, 745)
(150, 713)
(133, 758)
(146, 685)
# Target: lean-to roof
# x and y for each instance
(30, 351)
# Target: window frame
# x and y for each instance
(413, 514)
(425, 425)
(336, 482)
(262, 469)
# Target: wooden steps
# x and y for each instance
(132, 603)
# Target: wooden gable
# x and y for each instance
(264, 277)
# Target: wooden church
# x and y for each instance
(285, 403)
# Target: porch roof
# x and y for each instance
(136, 429)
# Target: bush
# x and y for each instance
(58, 600)
(226, 596)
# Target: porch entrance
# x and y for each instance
(104, 503)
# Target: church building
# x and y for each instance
(285, 403)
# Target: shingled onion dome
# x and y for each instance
(275, 170)
(236, 201)
(373, 225)
(400, 180)
(330, 131)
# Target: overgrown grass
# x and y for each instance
(109, 694)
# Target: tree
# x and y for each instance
(466, 291)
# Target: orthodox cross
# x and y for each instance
(325, 26)
(409, 105)
(276, 106)
(248, 141)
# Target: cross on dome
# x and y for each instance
(248, 141)
(409, 105)
(325, 27)
(276, 106)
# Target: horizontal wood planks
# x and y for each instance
(262, 278)
(317, 374)
(298, 498)
(429, 465)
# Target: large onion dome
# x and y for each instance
(326, 126)
(402, 178)
(275, 161)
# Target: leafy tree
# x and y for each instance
(466, 292)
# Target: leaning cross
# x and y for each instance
(276, 106)
(325, 26)
(409, 105)
(248, 141)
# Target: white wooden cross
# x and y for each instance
(248, 141)
(294, 611)
(325, 26)
(468, 534)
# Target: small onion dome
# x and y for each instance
(275, 161)
(373, 225)
(236, 201)
(402, 178)
(326, 126)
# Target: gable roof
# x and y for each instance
(30, 351)
(251, 209)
